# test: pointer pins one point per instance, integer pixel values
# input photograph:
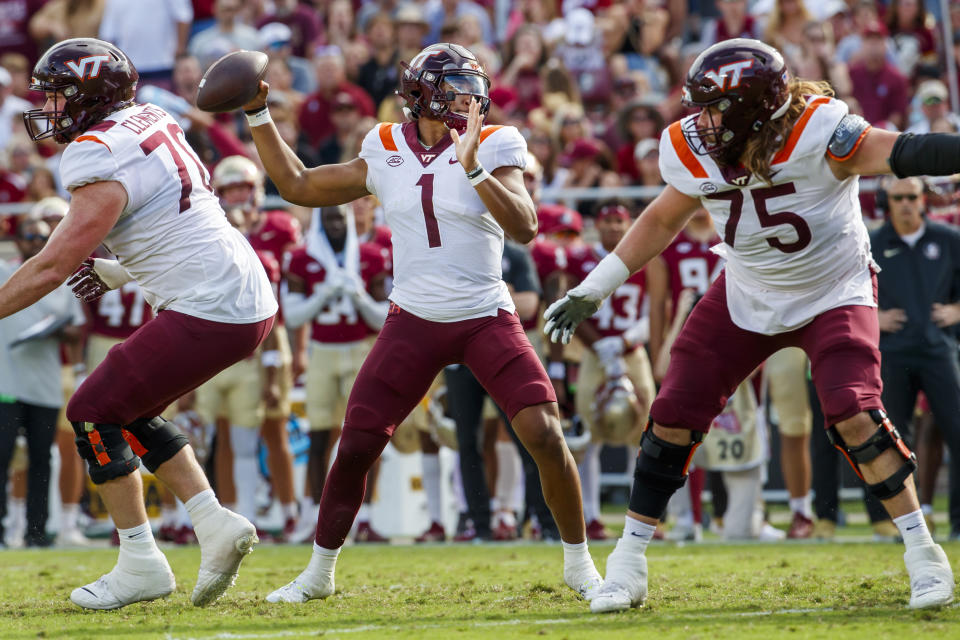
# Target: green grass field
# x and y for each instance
(801, 590)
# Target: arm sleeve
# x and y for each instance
(87, 161)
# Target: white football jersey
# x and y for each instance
(172, 236)
(793, 249)
(447, 247)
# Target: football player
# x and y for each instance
(450, 190)
(335, 291)
(775, 160)
(140, 189)
(614, 338)
(239, 183)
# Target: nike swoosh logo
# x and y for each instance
(889, 253)
(453, 161)
(913, 527)
(638, 534)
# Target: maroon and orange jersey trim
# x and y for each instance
(386, 136)
(684, 153)
(784, 154)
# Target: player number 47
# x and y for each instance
(760, 197)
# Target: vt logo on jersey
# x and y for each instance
(87, 66)
(733, 70)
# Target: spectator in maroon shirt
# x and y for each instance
(304, 24)
(733, 22)
(638, 121)
(877, 84)
(315, 114)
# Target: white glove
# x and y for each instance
(373, 313)
(298, 309)
(608, 349)
(581, 302)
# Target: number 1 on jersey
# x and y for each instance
(426, 200)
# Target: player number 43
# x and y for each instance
(760, 197)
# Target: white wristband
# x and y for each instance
(259, 118)
(609, 274)
(480, 178)
(271, 358)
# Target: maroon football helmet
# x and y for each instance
(747, 81)
(436, 76)
(91, 77)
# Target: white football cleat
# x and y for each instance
(225, 538)
(931, 578)
(122, 586)
(625, 584)
(303, 589)
(584, 579)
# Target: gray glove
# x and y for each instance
(563, 316)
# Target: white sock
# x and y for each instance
(322, 564)
(509, 472)
(590, 483)
(168, 516)
(802, 505)
(138, 540)
(575, 552)
(458, 486)
(913, 529)
(290, 510)
(182, 518)
(18, 513)
(431, 486)
(202, 506)
(363, 515)
(246, 469)
(637, 535)
(68, 517)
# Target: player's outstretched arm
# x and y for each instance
(94, 209)
(650, 234)
(902, 154)
(323, 186)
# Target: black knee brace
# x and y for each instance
(885, 437)
(158, 439)
(107, 454)
(661, 470)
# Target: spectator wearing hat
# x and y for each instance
(316, 114)
(379, 75)
(934, 102)
(305, 27)
(581, 53)
(153, 39)
(228, 34)
(344, 116)
(733, 22)
(412, 28)
(639, 120)
(277, 40)
(878, 85)
(439, 12)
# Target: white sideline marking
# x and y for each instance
(227, 635)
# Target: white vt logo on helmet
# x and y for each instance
(733, 70)
(79, 67)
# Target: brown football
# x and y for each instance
(232, 81)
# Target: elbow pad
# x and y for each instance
(926, 154)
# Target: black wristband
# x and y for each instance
(473, 173)
(925, 154)
(254, 112)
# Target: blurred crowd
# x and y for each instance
(591, 85)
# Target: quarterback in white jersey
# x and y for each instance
(775, 161)
(450, 189)
(138, 188)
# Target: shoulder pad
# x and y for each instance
(847, 136)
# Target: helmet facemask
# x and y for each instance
(458, 84)
(57, 124)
